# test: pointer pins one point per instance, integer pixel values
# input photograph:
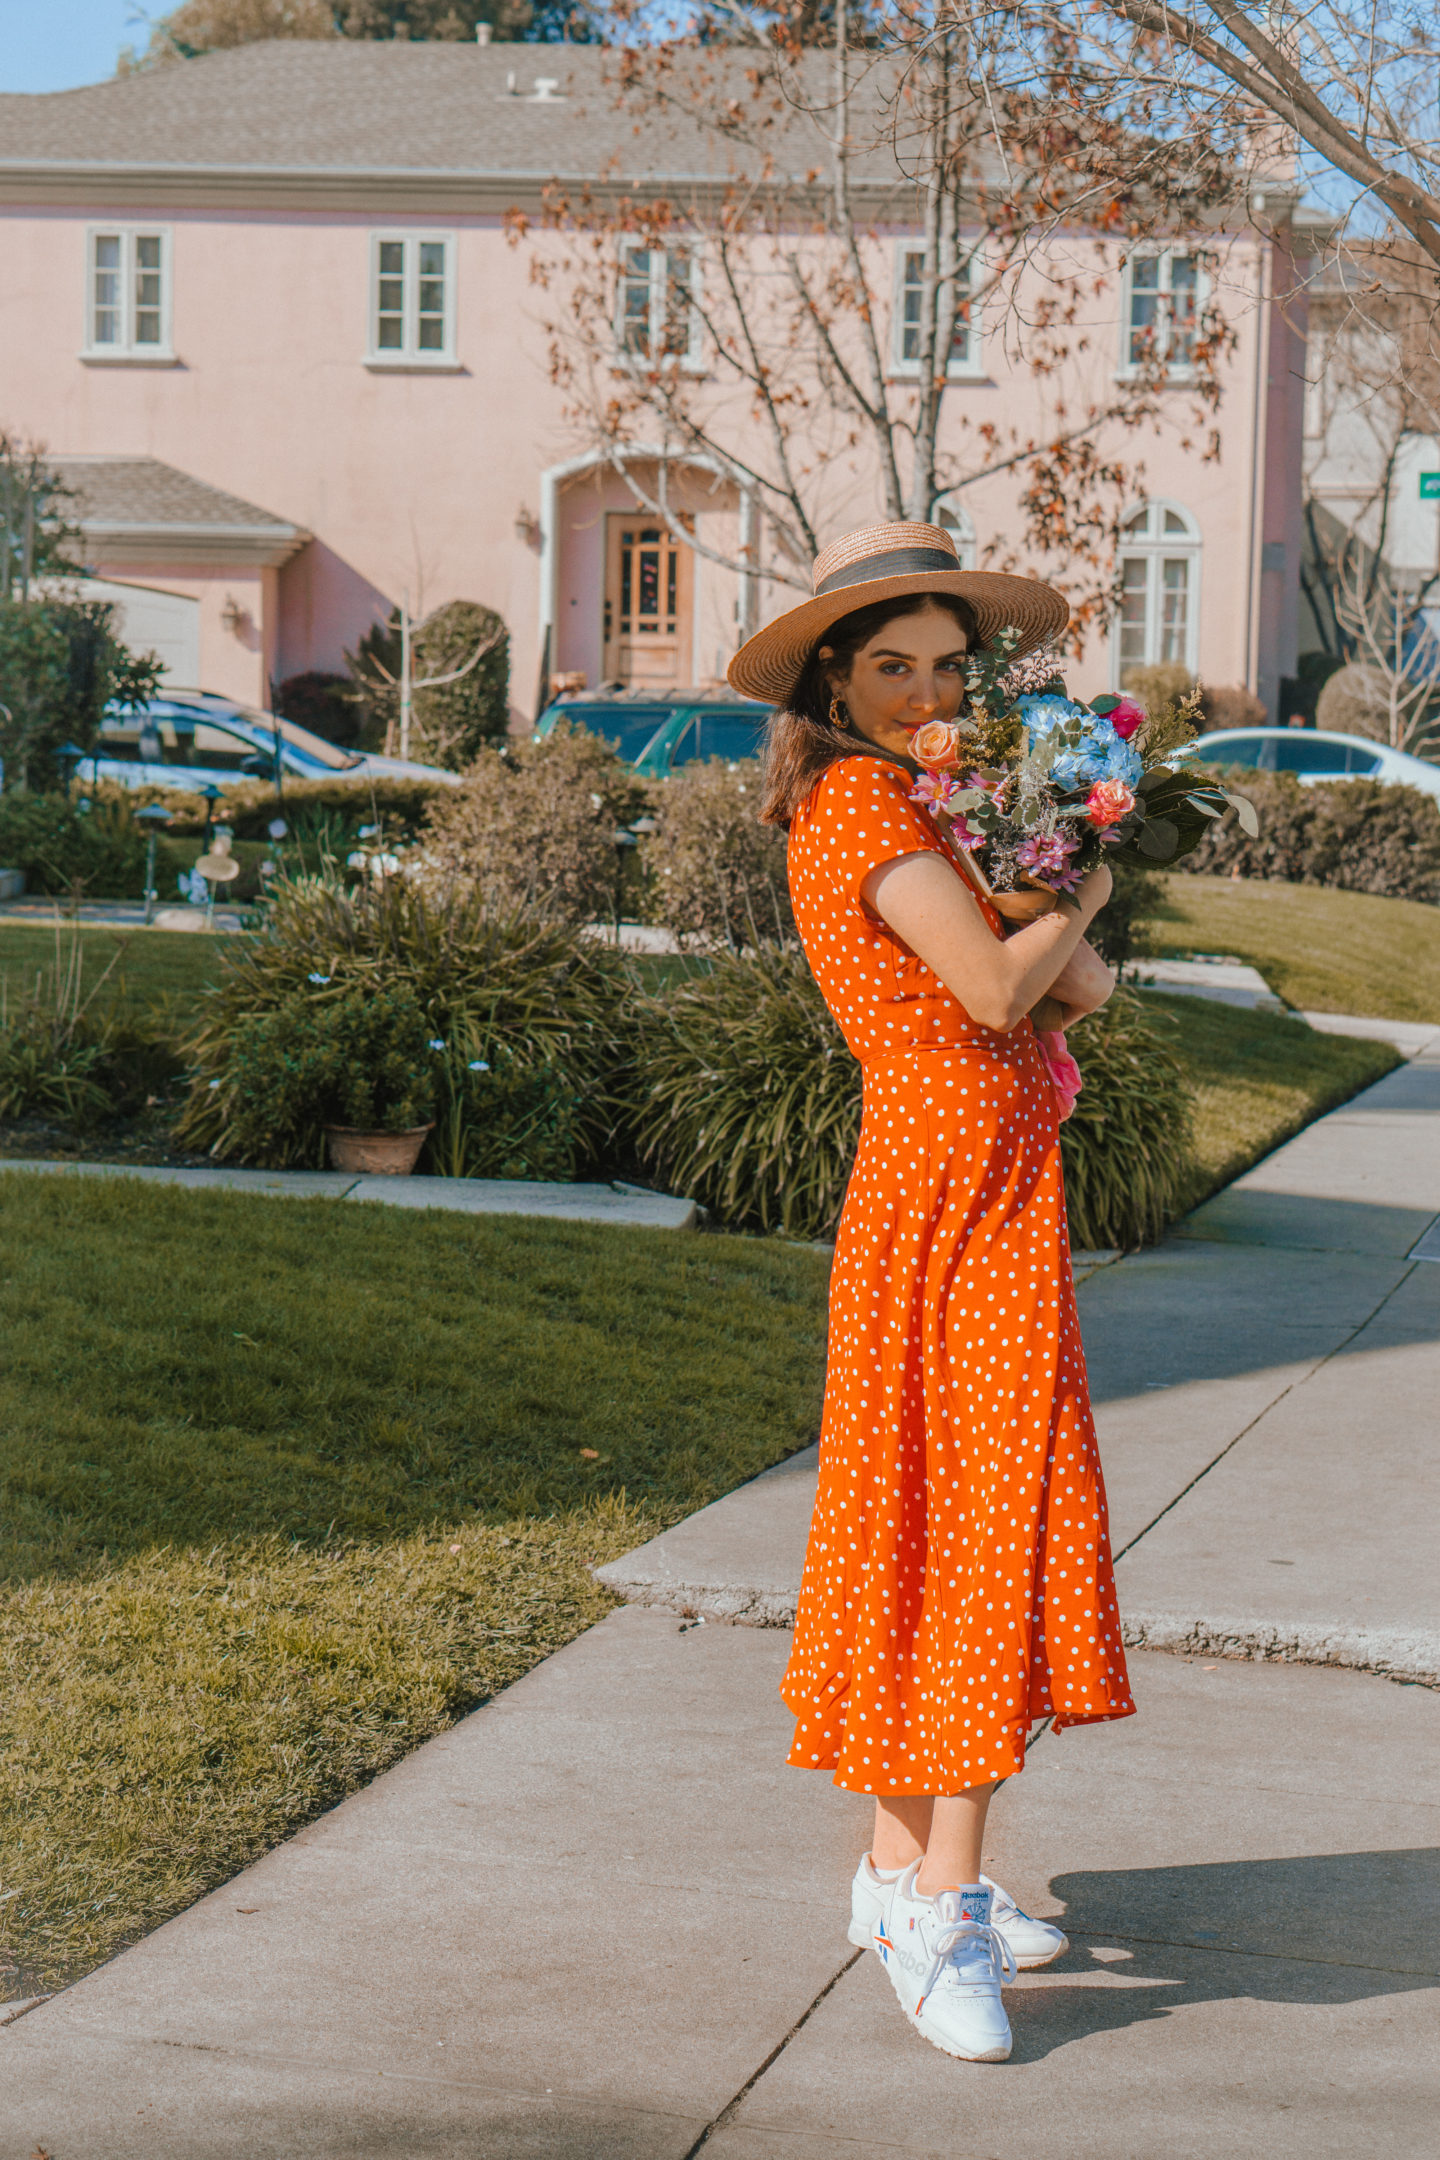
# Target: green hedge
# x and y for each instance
(1359, 835)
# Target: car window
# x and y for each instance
(730, 735)
(310, 746)
(1247, 750)
(208, 745)
(1298, 752)
(629, 727)
(1360, 761)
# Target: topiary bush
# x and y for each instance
(452, 722)
(518, 1013)
(716, 874)
(1358, 835)
(746, 1098)
(531, 827)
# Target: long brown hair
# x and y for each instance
(800, 741)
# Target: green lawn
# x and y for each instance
(1257, 1078)
(150, 966)
(240, 1442)
(1320, 950)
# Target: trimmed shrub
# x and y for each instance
(716, 874)
(1163, 684)
(1230, 705)
(747, 1099)
(327, 704)
(59, 846)
(1358, 835)
(451, 723)
(398, 806)
(532, 826)
(525, 1014)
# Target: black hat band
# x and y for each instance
(900, 562)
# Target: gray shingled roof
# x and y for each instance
(351, 107)
(123, 494)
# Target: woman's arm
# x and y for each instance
(926, 903)
(1083, 984)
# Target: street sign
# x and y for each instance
(1430, 487)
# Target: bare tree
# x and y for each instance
(1356, 80)
(765, 348)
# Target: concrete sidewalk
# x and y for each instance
(614, 1203)
(599, 1920)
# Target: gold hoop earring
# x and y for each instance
(839, 718)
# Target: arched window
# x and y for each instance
(1159, 588)
(951, 513)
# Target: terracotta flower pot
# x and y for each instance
(375, 1154)
(1026, 904)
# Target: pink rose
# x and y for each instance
(937, 744)
(1127, 718)
(1108, 802)
(1063, 1071)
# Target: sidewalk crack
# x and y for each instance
(731, 2107)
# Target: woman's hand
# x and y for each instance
(1095, 890)
(1083, 984)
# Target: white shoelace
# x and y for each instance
(952, 1936)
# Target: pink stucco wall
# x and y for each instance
(414, 481)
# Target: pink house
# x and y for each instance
(264, 310)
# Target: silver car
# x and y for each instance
(1316, 754)
(193, 739)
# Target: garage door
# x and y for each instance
(149, 620)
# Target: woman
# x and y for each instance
(957, 1582)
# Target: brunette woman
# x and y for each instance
(957, 1582)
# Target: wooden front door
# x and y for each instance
(648, 586)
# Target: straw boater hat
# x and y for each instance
(881, 562)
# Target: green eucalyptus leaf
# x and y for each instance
(1159, 838)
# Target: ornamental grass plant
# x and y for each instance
(517, 1016)
(747, 1098)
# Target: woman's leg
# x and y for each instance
(902, 1830)
(953, 1848)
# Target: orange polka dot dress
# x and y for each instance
(958, 1582)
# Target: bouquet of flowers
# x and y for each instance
(1033, 789)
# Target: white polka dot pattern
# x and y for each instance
(958, 1583)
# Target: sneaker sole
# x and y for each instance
(858, 1934)
(995, 2054)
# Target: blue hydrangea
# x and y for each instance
(1100, 755)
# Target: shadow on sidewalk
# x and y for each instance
(1322, 1928)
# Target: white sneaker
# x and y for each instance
(1030, 1942)
(946, 1963)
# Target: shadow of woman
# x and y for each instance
(1321, 1928)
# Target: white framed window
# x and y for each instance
(1164, 293)
(951, 513)
(656, 317)
(127, 293)
(1159, 615)
(911, 297)
(412, 300)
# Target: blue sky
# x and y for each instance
(58, 44)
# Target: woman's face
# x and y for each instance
(912, 670)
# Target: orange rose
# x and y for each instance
(938, 745)
(1108, 802)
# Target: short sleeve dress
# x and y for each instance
(958, 1583)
